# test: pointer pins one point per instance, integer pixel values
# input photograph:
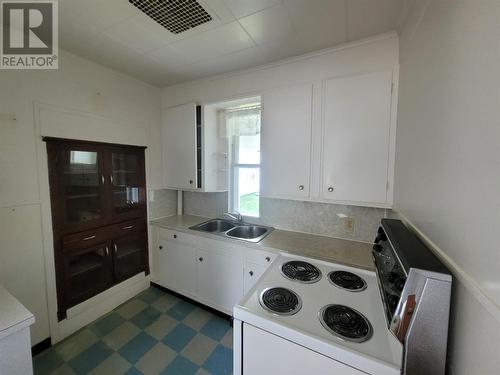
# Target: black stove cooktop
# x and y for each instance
(345, 323)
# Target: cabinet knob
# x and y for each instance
(160, 247)
(251, 273)
(330, 189)
(301, 187)
(268, 259)
(190, 182)
(175, 236)
(200, 259)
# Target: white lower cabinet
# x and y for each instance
(220, 280)
(216, 273)
(177, 267)
(253, 272)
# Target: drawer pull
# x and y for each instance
(175, 236)
(88, 238)
(128, 227)
(160, 247)
(268, 259)
(107, 250)
(251, 273)
(116, 247)
(200, 259)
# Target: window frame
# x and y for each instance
(234, 203)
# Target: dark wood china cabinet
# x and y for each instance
(98, 199)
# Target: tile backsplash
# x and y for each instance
(205, 204)
(333, 220)
(162, 202)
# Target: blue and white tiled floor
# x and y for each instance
(153, 333)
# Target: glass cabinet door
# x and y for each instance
(129, 255)
(81, 186)
(87, 272)
(127, 176)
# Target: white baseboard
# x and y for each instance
(85, 313)
(458, 272)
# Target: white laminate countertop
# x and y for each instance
(13, 315)
(350, 253)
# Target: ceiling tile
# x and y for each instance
(222, 40)
(132, 33)
(168, 57)
(73, 32)
(244, 59)
(269, 25)
(102, 13)
(242, 8)
(368, 17)
(319, 23)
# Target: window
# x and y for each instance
(243, 126)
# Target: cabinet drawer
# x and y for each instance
(172, 235)
(131, 226)
(87, 238)
(260, 256)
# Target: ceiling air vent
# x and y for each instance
(175, 15)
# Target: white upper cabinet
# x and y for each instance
(356, 138)
(179, 146)
(286, 142)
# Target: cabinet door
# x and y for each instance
(177, 267)
(77, 184)
(87, 272)
(179, 146)
(220, 280)
(129, 255)
(252, 273)
(356, 127)
(286, 142)
(126, 176)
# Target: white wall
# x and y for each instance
(374, 54)
(81, 100)
(448, 161)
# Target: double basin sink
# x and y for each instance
(234, 229)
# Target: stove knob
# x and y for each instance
(377, 247)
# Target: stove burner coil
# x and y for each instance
(303, 272)
(347, 280)
(345, 323)
(280, 301)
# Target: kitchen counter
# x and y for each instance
(13, 315)
(351, 253)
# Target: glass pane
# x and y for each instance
(125, 181)
(87, 271)
(247, 194)
(81, 187)
(248, 150)
(129, 256)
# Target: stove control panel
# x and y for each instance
(391, 275)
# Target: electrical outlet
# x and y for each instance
(349, 224)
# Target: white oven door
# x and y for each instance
(265, 353)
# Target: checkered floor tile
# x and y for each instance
(153, 333)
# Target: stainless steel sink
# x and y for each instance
(216, 225)
(234, 229)
(247, 232)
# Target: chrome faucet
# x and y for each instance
(235, 216)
